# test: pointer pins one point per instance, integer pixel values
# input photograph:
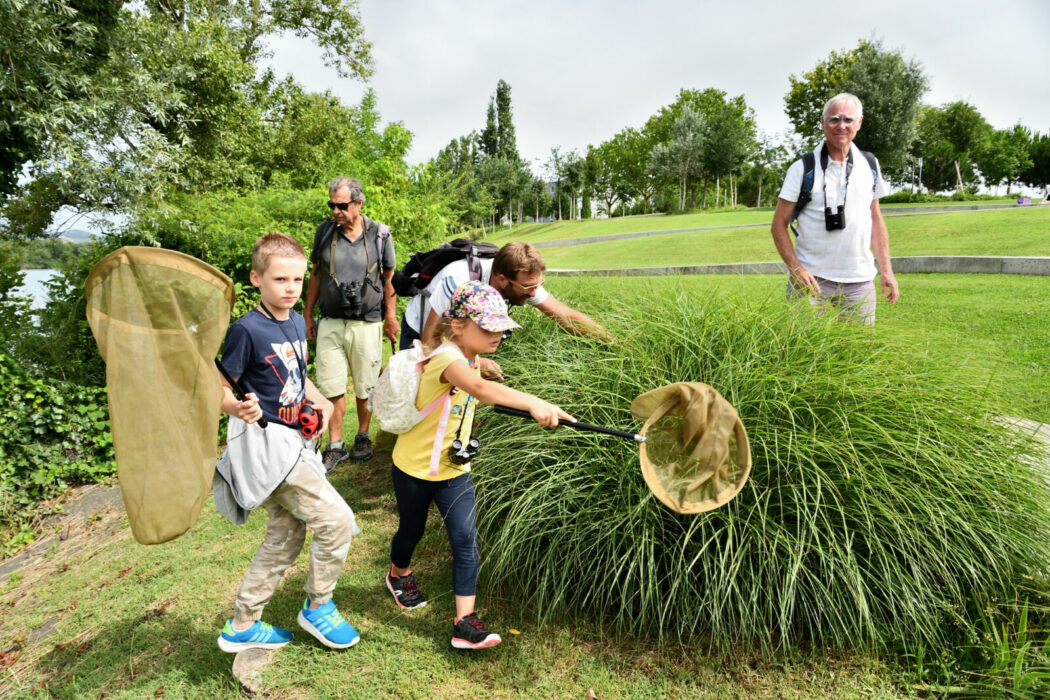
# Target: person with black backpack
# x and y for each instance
(833, 194)
(514, 270)
(353, 265)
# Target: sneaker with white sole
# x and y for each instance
(470, 633)
(404, 590)
(261, 635)
(328, 625)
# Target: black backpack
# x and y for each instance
(420, 269)
(809, 164)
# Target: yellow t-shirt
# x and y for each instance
(413, 450)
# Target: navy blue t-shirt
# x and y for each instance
(268, 358)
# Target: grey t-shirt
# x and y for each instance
(356, 261)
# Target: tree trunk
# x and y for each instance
(958, 175)
(758, 200)
(703, 203)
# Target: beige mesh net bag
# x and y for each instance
(159, 317)
(696, 456)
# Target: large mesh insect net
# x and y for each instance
(696, 456)
(159, 318)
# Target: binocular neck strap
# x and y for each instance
(824, 170)
(338, 231)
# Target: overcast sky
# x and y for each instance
(581, 71)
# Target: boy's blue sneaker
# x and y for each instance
(327, 624)
(261, 635)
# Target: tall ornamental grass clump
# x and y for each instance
(886, 506)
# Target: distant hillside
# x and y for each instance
(76, 235)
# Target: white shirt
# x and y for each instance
(438, 293)
(842, 255)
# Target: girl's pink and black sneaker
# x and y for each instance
(404, 590)
(469, 633)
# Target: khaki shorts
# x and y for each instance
(854, 301)
(352, 348)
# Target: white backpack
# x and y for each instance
(393, 399)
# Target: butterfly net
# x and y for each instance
(159, 317)
(696, 456)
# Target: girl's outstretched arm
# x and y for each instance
(459, 375)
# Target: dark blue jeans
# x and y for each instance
(455, 501)
(407, 335)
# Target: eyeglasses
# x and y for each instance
(530, 288)
(341, 206)
(835, 119)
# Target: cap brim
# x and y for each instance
(504, 323)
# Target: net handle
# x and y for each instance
(237, 392)
(579, 425)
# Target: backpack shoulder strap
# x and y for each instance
(805, 190)
(874, 163)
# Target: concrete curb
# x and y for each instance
(888, 214)
(959, 264)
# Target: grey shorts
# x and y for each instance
(854, 301)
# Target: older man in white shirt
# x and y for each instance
(841, 234)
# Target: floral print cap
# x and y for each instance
(480, 302)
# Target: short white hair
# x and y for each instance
(843, 97)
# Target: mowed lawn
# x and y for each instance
(995, 329)
(1023, 232)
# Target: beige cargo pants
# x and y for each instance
(305, 499)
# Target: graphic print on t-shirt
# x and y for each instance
(287, 355)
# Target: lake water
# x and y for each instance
(33, 286)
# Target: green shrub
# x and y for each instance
(884, 508)
(52, 436)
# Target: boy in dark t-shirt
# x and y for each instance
(277, 467)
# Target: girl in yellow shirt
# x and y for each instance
(432, 460)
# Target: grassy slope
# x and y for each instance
(993, 232)
(995, 326)
(659, 222)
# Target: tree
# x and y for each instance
(175, 103)
(949, 137)
(632, 149)
(572, 178)
(680, 158)
(728, 128)
(489, 139)
(889, 86)
(728, 138)
(1004, 156)
(764, 173)
(1038, 173)
(506, 142)
(46, 80)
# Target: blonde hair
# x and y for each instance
(516, 258)
(274, 244)
(442, 331)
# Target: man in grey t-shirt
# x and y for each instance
(353, 263)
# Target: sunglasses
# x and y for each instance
(341, 206)
(836, 119)
(530, 288)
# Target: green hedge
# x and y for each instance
(52, 436)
